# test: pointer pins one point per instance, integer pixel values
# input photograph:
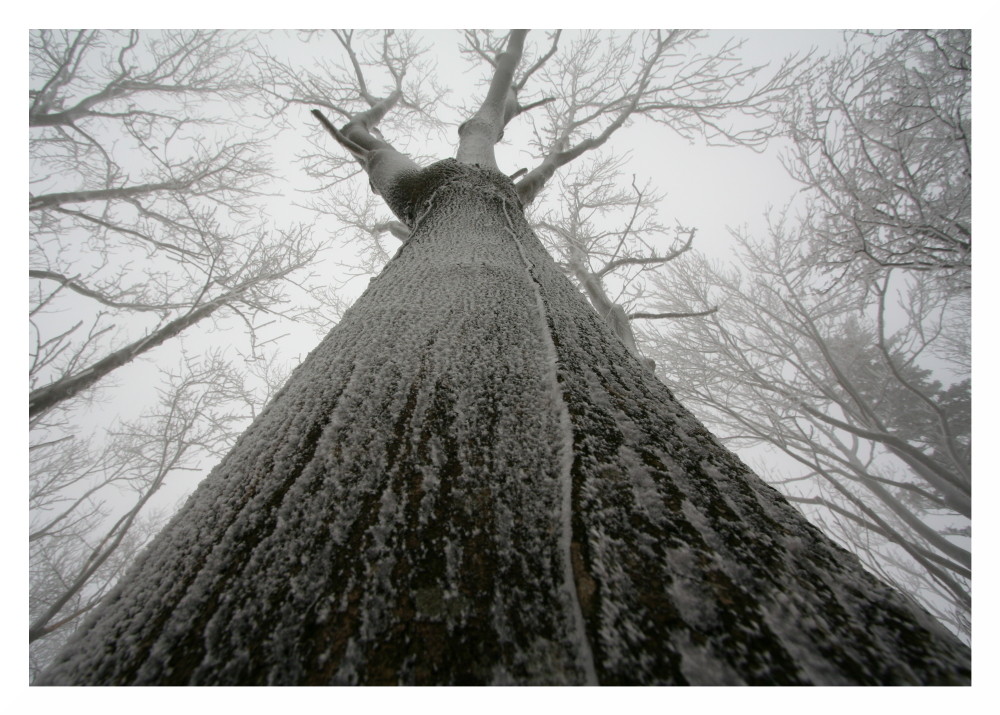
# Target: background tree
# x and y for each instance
(471, 479)
(815, 372)
(885, 140)
(844, 339)
(81, 538)
(147, 217)
(136, 204)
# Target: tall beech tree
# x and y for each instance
(472, 480)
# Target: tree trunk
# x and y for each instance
(470, 480)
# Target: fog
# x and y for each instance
(713, 189)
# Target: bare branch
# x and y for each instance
(661, 316)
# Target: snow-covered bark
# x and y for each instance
(471, 480)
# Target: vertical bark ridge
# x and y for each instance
(571, 575)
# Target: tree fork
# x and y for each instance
(470, 480)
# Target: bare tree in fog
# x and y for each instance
(812, 369)
(80, 539)
(884, 139)
(140, 206)
(473, 480)
(844, 340)
(145, 220)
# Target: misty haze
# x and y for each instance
(489, 358)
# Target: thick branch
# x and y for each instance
(384, 165)
(478, 135)
(358, 152)
(36, 203)
(97, 295)
(659, 316)
(43, 398)
(396, 228)
(646, 261)
(533, 182)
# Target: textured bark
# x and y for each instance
(470, 480)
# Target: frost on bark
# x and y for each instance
(471, 480)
